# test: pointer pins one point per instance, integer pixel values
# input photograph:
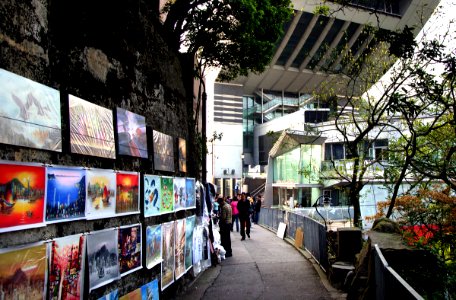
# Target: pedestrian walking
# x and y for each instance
(235, 211)
(257, 209)
(225, 225)
(244, 216)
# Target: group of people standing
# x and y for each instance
(238, 212)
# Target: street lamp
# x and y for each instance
(242, 172)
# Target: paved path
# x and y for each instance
(263, 267)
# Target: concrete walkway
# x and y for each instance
(263, 267)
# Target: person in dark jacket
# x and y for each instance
(257, 209)
(244, 216)
(225, 225)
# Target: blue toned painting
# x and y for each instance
(150, 290)
(190, 193)
(152, 195)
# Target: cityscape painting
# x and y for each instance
(163, 152)
(153, 245)
(182, 150)
(167, 266)
(102, 257)
(189, 226)
(179, 193)
(65, 194)
(66, 268)
(131, 133)
(91, 129)
(23, 273)
(22, 189)
(167, 195)
(190, 193)
(101, 194)
(152, 195)
(29, 114)
(149, 291)
(129, 245)
(127, 193)
(179, 259)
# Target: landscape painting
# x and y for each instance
(127, 193)
(129, 245)
(131, 133)
(101, 194)
(153, 245)
(66, 269)
(65, 194)
(167, 266)
(182, 150)
(179, 253)
(22, 189)
(91, 129)
(23, 272)
(29, 114)
(152, 195)
(190, 193)
(189, 226)
(167, 195)
(149, 291)
(179, 193)
(163, 152)
(102, 257)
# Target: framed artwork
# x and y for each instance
(153, 245)
(23, 272)
(179, 252)
(189, 226)
(152, 195)
(167, 266)
(150, 290)
(179, 193)
(67, 268)
(102, 257)
(163, 152)
(167, 195)
(182, 147)
(65, 194)
(129, 249)
(114, 295)
(190, 193)
(127, 193)
(91, 129)
(101, 194)
(133, 295)
(22, 189)
(29, 114)
(131, 133)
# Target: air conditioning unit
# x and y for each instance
(232, 171)
(225, 171)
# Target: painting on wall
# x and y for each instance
(114, 295)
(101, 194)
(189, 226)
(23, 272)
(66, 268)
(127, 193)
(150, 290)
(182, 147)
(179, 193)
(152, 195)
(65, 194)
(91, 129)
(167, 266)
(29, 114)
(102, 257)
(179, 251)
(190, 193)
(133, 295)
(131, 133)
(129, 249)
(153, 246)
(22, 189)
(167, 195)
(163, 152)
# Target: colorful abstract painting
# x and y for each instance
(167, 266)
(190, 193)
(29, 114)
(102, 257)
(133, 295)
(127, 193)
(66, 268)
(179, 252)
(65, 194)
(163, 152)
(131, 133)
(114, 295)
(153, 245)
(129, 249)
(179, 193)
(22, 190)
(101, 194)
(182, 147)
(23, 272)
(152, 195)
(91, 129)
(149, 291)
(167, 195)
(189, 226)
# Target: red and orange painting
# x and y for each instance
(127, 196)
(21, 196)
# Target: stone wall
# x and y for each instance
(110, 53)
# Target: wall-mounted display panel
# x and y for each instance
(163, 152)
(131, 133)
